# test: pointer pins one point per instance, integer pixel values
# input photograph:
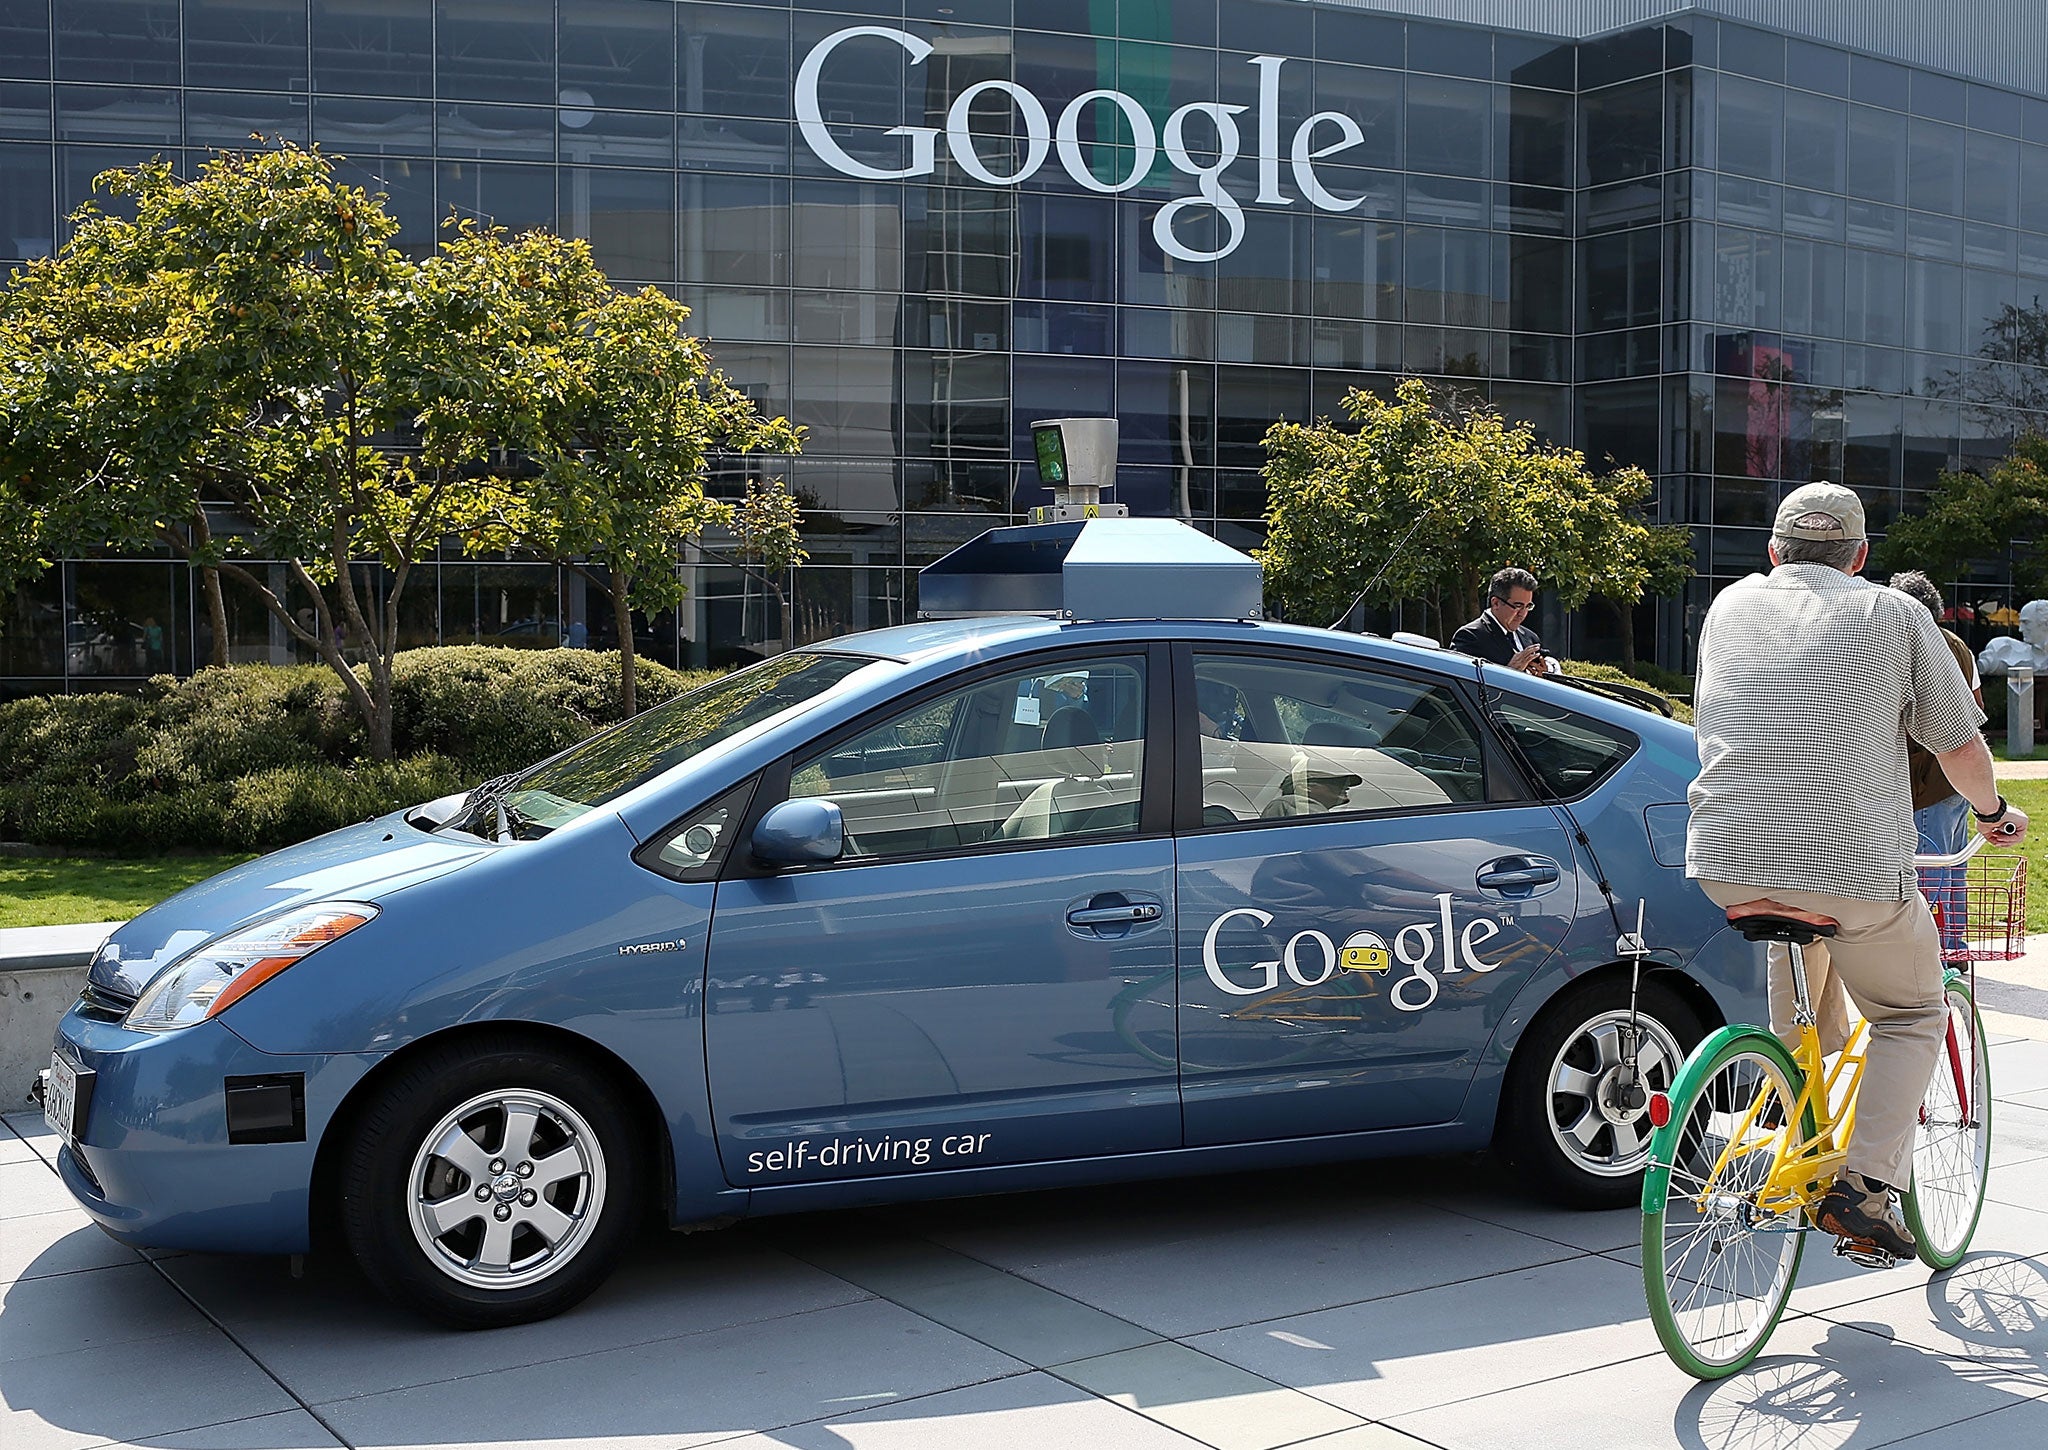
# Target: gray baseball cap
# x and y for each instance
(1822, 511)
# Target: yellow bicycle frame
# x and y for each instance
(1802, 1166)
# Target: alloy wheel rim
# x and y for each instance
(1590, 1123)
(505, 1189)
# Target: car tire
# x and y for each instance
(1561, 1126)
(491, 1183)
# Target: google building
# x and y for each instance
(1741, 243)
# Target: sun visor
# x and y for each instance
(1094, 569)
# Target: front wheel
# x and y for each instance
(491, 1183)
(1717, 1267)
(1952, 1147)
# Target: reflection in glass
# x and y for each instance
(252, 44)
(118, 42)
(619, 53)
(504, 49)
(27, 221)
(387, 50)
(122, 620)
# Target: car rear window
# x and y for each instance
(1572, 753)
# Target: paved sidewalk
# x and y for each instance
(1365, 1307)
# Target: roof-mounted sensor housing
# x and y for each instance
(1094, 569)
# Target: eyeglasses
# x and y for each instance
(1511, 604)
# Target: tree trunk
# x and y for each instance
(217, 614)
(1628, 633)
(622, 613)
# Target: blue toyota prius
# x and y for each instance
(1129, 884)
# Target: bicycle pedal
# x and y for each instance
(1866, 1253)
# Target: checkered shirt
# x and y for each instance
(1809, 682)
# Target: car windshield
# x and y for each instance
(637, 750)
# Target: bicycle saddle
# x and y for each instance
(1758, 922)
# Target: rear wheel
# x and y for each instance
(1717, 1270)
(491, 1184)
(1952, 1147)
(1568, 1123)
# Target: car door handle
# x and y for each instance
(1124, 915)
(1512, 873)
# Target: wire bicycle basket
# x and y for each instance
(1980, 907)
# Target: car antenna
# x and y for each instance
(1392, 554)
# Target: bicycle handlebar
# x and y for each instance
(1977, 843)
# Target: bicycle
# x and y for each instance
(1752, 1134)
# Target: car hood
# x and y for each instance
(360, 863)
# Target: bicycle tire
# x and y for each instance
(1709, 1324)
(1951, 1153)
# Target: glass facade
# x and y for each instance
(1734, 257)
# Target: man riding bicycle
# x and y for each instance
(1810, 682)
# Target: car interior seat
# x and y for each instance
(1081, 801)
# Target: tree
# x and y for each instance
(249, 370)
(1432, 493)
(1999, 515)
(614, 411)
(1665, 553)
(252, 340)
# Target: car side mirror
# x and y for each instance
(800, 833)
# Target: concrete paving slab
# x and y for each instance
(2016, 1427)
(1819, 1384)
(2023, 1184)
(694, 1390)
(1180, 1271)
(1992, 1321)
(1206, 1399)
(2019, 1070)
(90, 1311)
(1364, 1437)
(112, 1394)
(329, 1336)
(1001, 1310)
(1025, 1412)
(1413, 1351)
(291, 1430)
(1592, 1231)
(30, 1128)
(14, 1148)
(38, 1245)
(27, 1188)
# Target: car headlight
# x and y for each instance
(215, 976)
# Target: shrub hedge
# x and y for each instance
(1586, 670)
(253, 757)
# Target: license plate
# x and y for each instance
(60, 1098)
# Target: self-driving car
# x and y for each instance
(1129, 883)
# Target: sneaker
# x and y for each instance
(1856, 1207)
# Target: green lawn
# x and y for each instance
(54, 890)
(2031, 796)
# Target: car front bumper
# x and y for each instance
(153, 1163)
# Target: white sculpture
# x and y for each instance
(2031, 648)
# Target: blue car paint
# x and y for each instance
(163, 1171)
(473, 933)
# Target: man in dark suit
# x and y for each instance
(1500, 635)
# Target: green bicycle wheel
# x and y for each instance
(1952, 1149)
(1717, 1271)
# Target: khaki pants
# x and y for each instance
(1888, 956)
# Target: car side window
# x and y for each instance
(1571, 752)
(696, 846)
(1283, 738)
(1049, 753)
